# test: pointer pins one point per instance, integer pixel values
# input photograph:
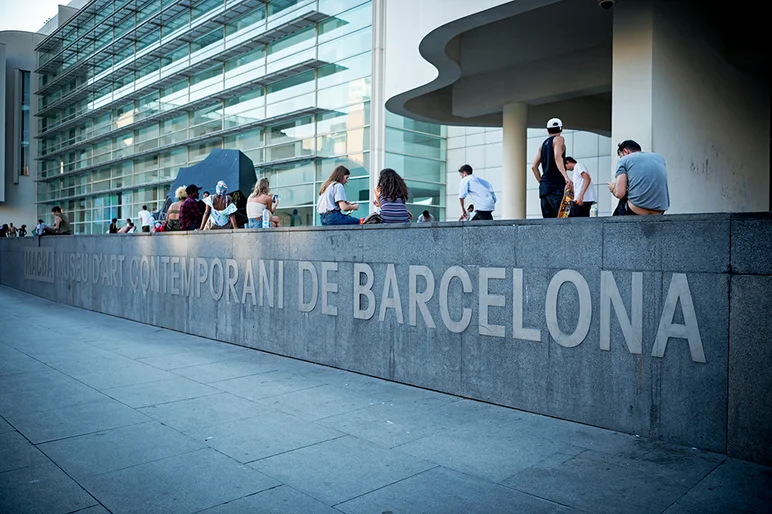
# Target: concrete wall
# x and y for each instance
(657, 327)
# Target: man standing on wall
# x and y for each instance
(585, 194)
(479, 190)
(641, 182)
(190, 215)
(145, 219)
(553, 180)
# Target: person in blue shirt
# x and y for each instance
(479, 190)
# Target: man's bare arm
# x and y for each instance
(558, 147)
(535, 165)
(618, 187)
(585, 186)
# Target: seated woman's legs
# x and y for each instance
(338, 218)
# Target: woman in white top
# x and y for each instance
(332, 200)
(259, 200)
(220, 210)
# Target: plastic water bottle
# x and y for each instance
(266, 218)
(594, 210)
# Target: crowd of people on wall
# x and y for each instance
(640, 184)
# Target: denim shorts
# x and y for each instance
(338, 218)
(255, 223)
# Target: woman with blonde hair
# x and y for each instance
(258, 201)
(332, 200)
(173, 214)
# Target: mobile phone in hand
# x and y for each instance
(275, 198)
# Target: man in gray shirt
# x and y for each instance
(641, 181)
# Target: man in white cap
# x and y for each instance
(553, 179)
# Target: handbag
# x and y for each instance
(372, 218)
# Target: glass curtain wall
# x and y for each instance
(417, 151)
(132, 91)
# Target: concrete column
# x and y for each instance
(514, 159)
(377, 100)
(632, 77)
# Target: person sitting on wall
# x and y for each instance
(12, 231)
(190, 215)
(641, 182)
(470, 213)
(332, 200)
(220, 210)
(259, 200)
(390, 195)
(23, 231)
(61, 224)
(125, 230)
(4, 230)
(113, 226)
(173, 214)
(425, 217)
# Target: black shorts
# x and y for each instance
(623, 209)
(483, 215)
(550, 204)
(145, 228)
(580, 211)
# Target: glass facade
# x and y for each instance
(24, 124)
(130, 91)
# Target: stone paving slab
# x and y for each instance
(103, 415)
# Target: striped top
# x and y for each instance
(393, 210)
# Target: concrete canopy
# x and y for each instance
(553, 56)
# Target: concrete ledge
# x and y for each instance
(653, 326)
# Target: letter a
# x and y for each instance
(679, 290)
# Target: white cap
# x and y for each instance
(555, 122)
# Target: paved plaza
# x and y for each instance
(99, 414)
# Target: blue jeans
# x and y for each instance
(255, 223)
(338, 218)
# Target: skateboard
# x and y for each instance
(565, 204)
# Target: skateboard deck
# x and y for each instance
(565, 204)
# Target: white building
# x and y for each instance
(685, 81)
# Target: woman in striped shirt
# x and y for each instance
(391, 195)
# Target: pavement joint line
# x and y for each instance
(161, 403)
(143, 463)
(241, 498)
(343, 434)
(698, 482)
(90, 433)
(387, 485)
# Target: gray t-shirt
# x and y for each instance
(646, 180)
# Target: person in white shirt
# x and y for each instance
(40, 227)
(584, 194)
(425, 217)
(478, 190)
(332, 200)
(145, 219)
